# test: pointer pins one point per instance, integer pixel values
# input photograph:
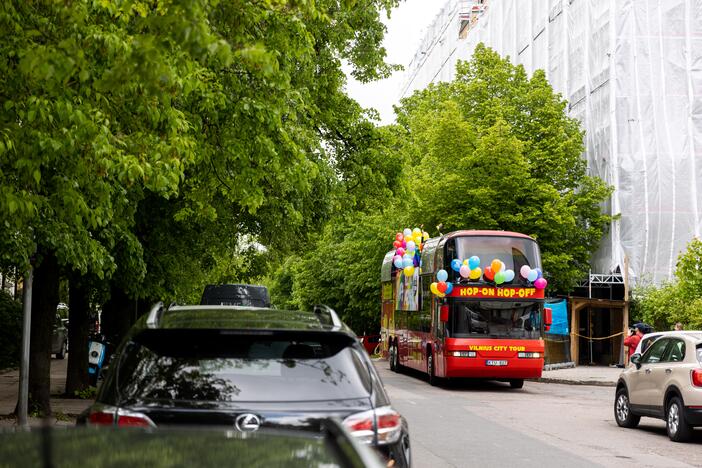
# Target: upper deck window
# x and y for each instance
(513, 251)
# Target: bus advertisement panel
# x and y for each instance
(474, 308)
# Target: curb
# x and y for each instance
(595, 383)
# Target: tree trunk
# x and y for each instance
(78, 327)
(117, 317)
(44, 301)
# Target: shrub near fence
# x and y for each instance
(10, 331)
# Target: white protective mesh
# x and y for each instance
(632, 73)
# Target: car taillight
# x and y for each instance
(696, 377)
(111, 416)
(385, 423)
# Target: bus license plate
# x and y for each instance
(491, 362)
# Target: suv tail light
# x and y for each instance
(696, 377)
(112, 416)
(384, 423)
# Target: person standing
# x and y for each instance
(632, 341)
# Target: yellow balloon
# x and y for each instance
(409, 271)
(425, 235)
(465, 262)
(475, 273)
(434, 289)
(416, 232)
(496, 265)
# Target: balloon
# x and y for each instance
(415, 260)
(441, 275)
(416, 232)
(540, 283)
(399, 237)
(475, 273)
(465, 271)
(532, 276)
(407, 232)
(404, 244)
(425, 235)
(397, 244)
(398, 262)
(499, 277)
(489, 274)
(409, 270)
(400, 251)
(524, 271)
(411, 246)
(456, 264)
(504, 267)
(496, 265)
(539, 272)
(407, 262)
(435, 290)
(442, 287)
(509, 275)
(474, 262)
(449, 288)
(466, 263)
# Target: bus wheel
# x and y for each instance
(516, 383)
(391, 357)
(433, 380)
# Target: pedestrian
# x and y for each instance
(632, 341)
(678, 326)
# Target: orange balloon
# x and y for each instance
(496, 265)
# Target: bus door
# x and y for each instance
(437, 333)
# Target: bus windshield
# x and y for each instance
(513, 251)
(493, 319)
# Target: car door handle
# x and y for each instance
(668, 371)
(648, 371)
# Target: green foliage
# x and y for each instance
(10, 331)
(88, 393)
(679, 300)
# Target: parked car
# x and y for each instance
(59, 338)
(664, 382)
(249, 295)
(649, 338)
(245, 369)
(333, 446)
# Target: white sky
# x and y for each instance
(406, 28)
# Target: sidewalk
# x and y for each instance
(65, 409)
(583, 375)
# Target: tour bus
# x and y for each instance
(479, 329)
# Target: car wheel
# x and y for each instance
(676, 425)
(516, 383)
(622, 410)
(406, 451)
(62, 352)
(433, 379)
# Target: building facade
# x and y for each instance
(631, 71)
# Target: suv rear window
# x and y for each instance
(222, 367)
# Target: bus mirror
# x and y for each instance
(443, 313)
(547, 317)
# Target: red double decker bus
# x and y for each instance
(479, 329)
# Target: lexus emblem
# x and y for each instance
(247, 422)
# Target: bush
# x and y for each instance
(10, 331)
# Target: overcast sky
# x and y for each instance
(406, 28)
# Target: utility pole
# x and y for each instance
(24, 368)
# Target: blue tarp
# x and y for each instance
(559, 317)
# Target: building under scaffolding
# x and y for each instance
(631, 71)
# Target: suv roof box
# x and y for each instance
(236, 294)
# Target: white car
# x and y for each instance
(664, 382)
(649, 338)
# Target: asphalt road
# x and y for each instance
(487, 424)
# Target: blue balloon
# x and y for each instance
(473, 262)
(533, 275)
(456, 264)
(441, 275)
(538, 271)
(407, 262)
(509, 275)
(449, 288)
(398, 262)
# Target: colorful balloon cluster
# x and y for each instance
(534, 276)
(441, 287)
(408, 244)
(469, 268)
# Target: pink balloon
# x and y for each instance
(400, 251)
(404, 244)
(541, 283)
(524, 271)
(465, 271)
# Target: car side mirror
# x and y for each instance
(636, 360)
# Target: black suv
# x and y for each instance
(248, 368)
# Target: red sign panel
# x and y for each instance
(491, 292)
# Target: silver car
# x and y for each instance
(664, 382)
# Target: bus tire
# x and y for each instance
(516, 383)
(433, 379)
(394, 357)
